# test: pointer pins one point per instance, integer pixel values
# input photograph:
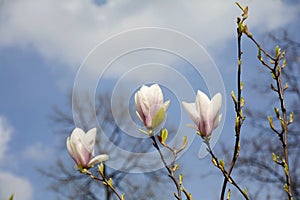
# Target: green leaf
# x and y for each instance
(286, 168)
(164, 135)
(292, 117)
(222, 163)
(271, 122)
(11, 197)
(276, 110)
(180, 179)
(259, 54)
(228, 194)
(283, 64)
(110, 182)
(215, 162)
(101, 168)
(277, 50)
(286, 188)
(158, 118)
(233, 97)
(274, 157)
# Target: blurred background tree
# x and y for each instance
(68, 183)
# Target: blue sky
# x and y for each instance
(43, 43)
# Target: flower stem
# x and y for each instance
(105, 182)
(225, 173)
(171, 170)
(238, 109)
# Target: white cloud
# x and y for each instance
(37, 152)
(12, 184)
(9, 182)
(5, 134)
(67, 30)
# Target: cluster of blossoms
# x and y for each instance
(151, 110)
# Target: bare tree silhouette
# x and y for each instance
(70, 184)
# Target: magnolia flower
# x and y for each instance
(205, 113)
(150, 106)
(80, 146)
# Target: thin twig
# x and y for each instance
(225, 173)
(170, 171)
(105, 183)
(238, 109)
(283, 133)
(172, 168)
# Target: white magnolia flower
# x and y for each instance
(205, 113)
(150, 106)
(80, 146)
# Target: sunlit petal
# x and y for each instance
(190, 108)
(98, 159)
(148, 101)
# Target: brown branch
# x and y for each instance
(283, 133)
(171, 170)
(238, 109)
(105, 183)
(225, 173)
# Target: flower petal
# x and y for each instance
(148, 101)
(77, 133)
(145, 107)
(217, 121)
(202, 103)
(158, 118)
(190, 108)
(98, 159)
(215, 106)
(80, 152)
(89, 139)
(139, 110)
(166, 105)
(70, 149)
(155, 95)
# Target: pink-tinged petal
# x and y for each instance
(148, 101)
(148, 120)
(83, 156)
(190, 108)
(207, 128)
(77, 133)
(145, 106)
(215, 106)
(90, 139)
(71, 150)
(80, 146)
(143, 94)
(217, 121)
(138, 114)
(202, 103)
(155, 95)
(98, 159)
(138, 107)
(77, 142)
(153, 109)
